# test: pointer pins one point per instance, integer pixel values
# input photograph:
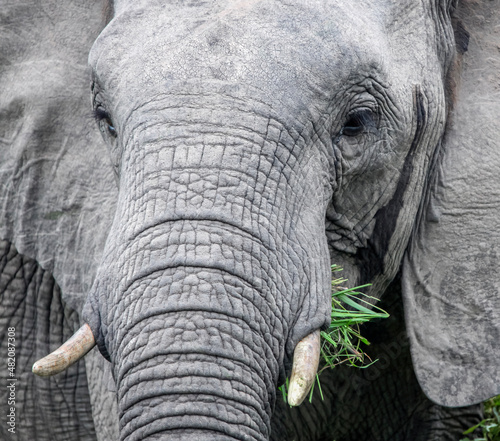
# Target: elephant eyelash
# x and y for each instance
(102, 117)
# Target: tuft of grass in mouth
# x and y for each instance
(350, 309)
(342, 342)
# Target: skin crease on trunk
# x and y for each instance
(252, 144)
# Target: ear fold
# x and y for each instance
(57, 187)
(451, 273)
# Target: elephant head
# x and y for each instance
(253, 143)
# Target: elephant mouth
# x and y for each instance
(304, 369)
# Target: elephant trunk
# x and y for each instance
(198, 375)
(195, 347)
(201, 396)
(215, 268)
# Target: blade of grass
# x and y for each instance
(342, 342)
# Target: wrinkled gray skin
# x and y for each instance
(247, 145)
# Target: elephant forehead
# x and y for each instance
(291, 50)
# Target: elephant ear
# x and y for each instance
(451, 277)
(57, 186)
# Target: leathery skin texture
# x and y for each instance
(236, 150)
(382, 402)
(203, 280)
(224, 189)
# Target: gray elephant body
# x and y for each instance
(252, 143)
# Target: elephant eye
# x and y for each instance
(104, 120)
(358, 122)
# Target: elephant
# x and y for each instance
(178, 177)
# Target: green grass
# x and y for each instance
(342, 342)
(350, 309)
(490, 426)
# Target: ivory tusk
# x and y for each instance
(70, 352)
(304, 369)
